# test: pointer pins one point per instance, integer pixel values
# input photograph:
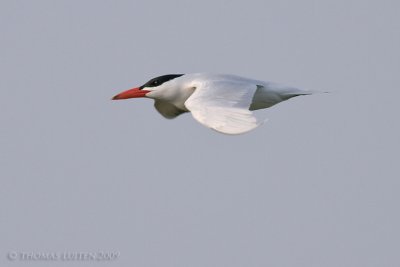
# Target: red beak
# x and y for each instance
(131, 93)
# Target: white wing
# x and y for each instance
(224, 106)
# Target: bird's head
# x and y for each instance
(151, 89)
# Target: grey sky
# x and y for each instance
(318, 185)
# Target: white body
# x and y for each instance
(220, 101)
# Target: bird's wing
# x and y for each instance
(224, 106)
(168, 110)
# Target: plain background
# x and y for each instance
(318, 185)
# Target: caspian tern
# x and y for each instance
(219, 101)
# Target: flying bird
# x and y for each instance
(222, 102)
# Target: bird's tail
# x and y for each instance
(289, 92)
